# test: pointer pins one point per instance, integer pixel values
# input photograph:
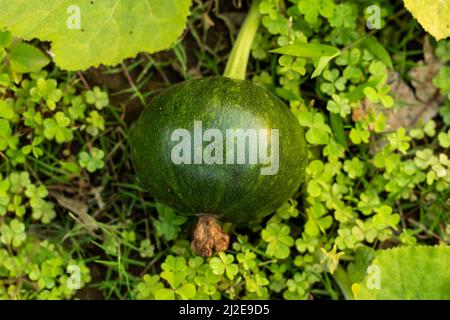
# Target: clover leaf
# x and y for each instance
(306, 243)
(385, 218)
(97, 97)
(48, 91)
(34, 147)
(256, 284)
(93, 160)
(224, 264)
(96, 123)
(317, 221)
(344, 16)
(168, 223)
(19, 181)
(359, 134)
(339, 105)
(399, 140)
(313, 8)
(7, 109)
(148, 287)
(278, 239)
(146, 249)
(56, 128)
(334, 82)
(7, 139)
(379, 95)
(247, 259)
(444, 139)
(354, 168)
(13, 234)
(174, 270)
(318, 132)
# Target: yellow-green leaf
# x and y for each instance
(26, 58)
(420, 272)
(433, 16)
(88, 33)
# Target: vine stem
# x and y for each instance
(237, 61)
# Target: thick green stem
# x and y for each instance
(341, 278)
(237, 62)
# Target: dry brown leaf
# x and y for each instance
(422, 75)
(419, 103)
(78, 209)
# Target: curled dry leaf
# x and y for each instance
(414, 104)
(78, 209)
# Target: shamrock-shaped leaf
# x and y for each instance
(278, 239)
(19, 181)
(368, 202)
(146, 249)
(48, 91)
(97, 97)
(306, 243)
(320, 178)
(96, 123)
(7, 109)
(168, 223)
(444, 139)
(174, 271)
(385, 218)
(355, 168)
(334, 82)
(379, 95)
(34, 147)
(32, 118)
(224, 264)
(7, 139)
(256, 283)
(36, 194)
(318, 132)
(93, 160)
(289, 63)
(77, 108)
(247, 259)
(56, 128)
(148, 287)
(313, 8)
(359, 134)
(399, 140)
(13, 234)
(344, 16)
(16, 206)
(339, 105)
(318, 221)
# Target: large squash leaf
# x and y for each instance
(108, 30)
(407, 273)
(433, 16)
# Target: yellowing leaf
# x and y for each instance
(433, 16)
(420, 272)
(88, 33)
(26, 58)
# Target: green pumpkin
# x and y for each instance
(233, 190)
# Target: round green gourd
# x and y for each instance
(232, 192)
